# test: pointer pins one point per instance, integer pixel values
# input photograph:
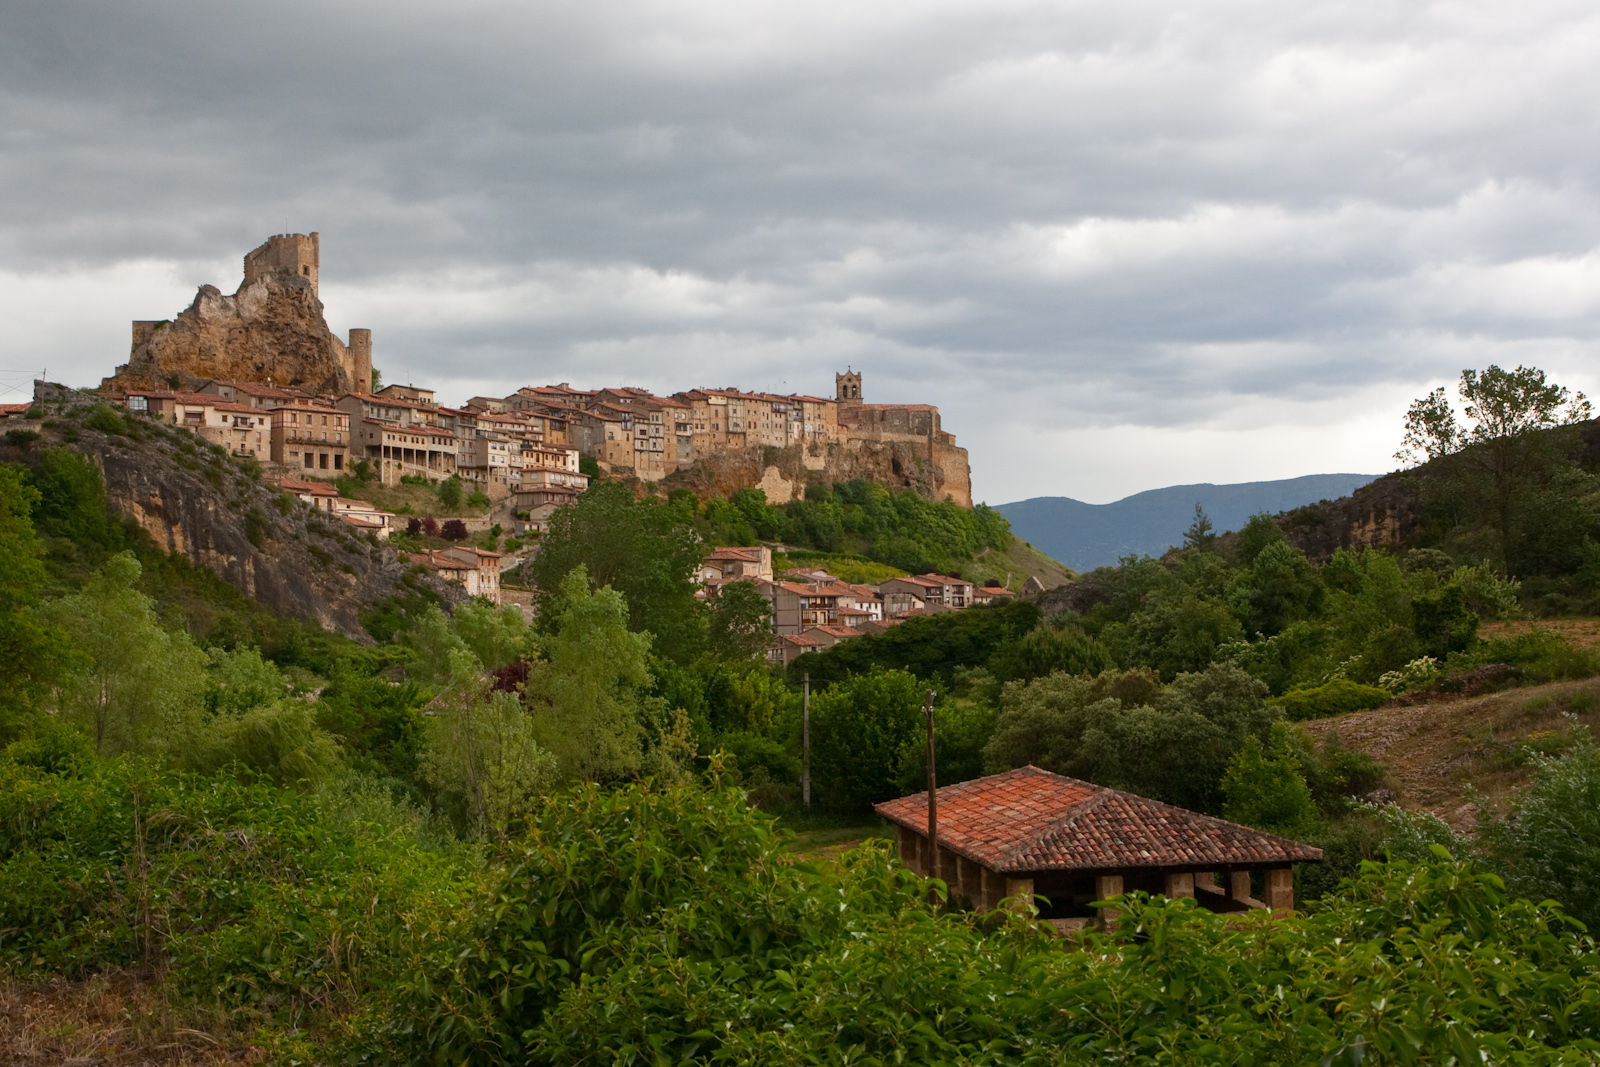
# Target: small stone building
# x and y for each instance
(1070, 843)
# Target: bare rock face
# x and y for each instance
(195, 500)
(272, 329)
(784, 473)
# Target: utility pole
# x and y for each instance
(933, 793)
(805, 741)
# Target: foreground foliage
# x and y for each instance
(668, 926)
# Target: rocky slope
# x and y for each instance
(192, 498)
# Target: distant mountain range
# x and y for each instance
(1085, 536)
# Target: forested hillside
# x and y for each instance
(487, 841)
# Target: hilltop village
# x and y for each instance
(301, 398)
(260, 375)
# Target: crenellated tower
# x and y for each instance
(298, 254)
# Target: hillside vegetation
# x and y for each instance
(483, 841)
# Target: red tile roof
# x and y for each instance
(744, 555)
(1032, 820)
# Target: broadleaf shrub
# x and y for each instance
(1337, 697)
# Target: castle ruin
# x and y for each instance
(271, 329)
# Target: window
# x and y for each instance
(310, 460)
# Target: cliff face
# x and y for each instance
(784, 473)
(192, 498)
(272, 329)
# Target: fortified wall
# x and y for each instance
(868, 427)
(272, 329)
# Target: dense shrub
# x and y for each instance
(250, 896)
(668, 926)
(1338, 697)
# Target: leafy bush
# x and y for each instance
(1420, 673)
(21, 438)
(1538, 655)
(106, 420)
(1337, 697)
(251, 897)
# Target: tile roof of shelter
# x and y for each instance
(14, 409)
(1029, 819)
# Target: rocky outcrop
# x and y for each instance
(192, 498)
(271, 330)
(784, 473)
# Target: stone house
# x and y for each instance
(733, 563)
(240, 429)
(473, 569)
(1066, 843)
(901, 596)
(307, 436)
(321, 495)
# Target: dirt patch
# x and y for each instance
(109, 1019)
(1439, 755)
(1580, 633)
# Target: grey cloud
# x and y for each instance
(1075, 214)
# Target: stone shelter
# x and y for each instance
(1068, 843)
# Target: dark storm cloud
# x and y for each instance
(1185, 229)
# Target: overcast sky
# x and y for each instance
(1121, 245)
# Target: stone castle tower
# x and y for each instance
(847, 387)
(299, 254)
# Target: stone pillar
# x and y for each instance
(988, 889)
(1022, 889)
(1180, 884)
(1239, 885)
(1206, 880)
(1280, 890)
(1107, 886)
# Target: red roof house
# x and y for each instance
(1069, 842)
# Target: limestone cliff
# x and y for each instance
(784, 473)
(271, 330)
(194, 499)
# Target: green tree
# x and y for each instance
(240, 680)
(450, 493)
(585, 696)
(740, 622)
(480, 754)
(1264, 788)
(1500, 444)
(1549, 843)
(31, 652)
(1280, 586)
(142, 686)
(1201, 534)
(860, 731)
(643, 549)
